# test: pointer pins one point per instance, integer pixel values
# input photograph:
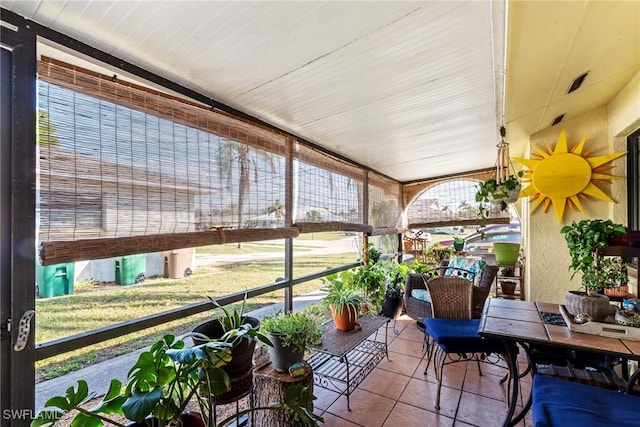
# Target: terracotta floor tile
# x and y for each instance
(408, 347)
(385, 383)
(481, 411)
(367, 409)
(407, 415)
(423, 395)
(397, 393)
(325, 398)
(400, 363)
(486, 385)
(412, 334)
(331, 420)
(452, 375)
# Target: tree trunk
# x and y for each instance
(270, 386)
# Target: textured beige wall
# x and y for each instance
(547, 256)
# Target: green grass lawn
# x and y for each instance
(97, 305)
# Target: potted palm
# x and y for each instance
(583, 239)
(291, 334)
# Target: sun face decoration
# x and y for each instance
(564, 177)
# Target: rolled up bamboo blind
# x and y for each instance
(326, 189)
(124, 169)
(385, 202)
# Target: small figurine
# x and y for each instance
(582, 318)
(296, 369)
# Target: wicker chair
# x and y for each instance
(418, 309)
(451, 330)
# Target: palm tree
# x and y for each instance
(247, 160)
(276, 209)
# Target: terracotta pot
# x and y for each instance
(346, 321)
(597, 306)
(508, 288)
(623, 291)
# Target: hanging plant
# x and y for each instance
(495, 197)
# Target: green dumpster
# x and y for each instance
(130, 269)
(54, 280)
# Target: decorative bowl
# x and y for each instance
(628, 318)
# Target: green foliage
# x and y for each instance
(299, 330)
(373, 254)
(343, 294)
(161, 383)
(438, 252)
(294, 405)
(74, 399)
(318, 313)
(583, 239)
(235, 325)
(489, 190)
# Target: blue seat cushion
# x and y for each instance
(558, 402)
(460, 336)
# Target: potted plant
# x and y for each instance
(584, 238)
(233, 327)
(291, 334)
(161, 384)
(496, 195)
(370, 278)
(458, 242)
(392, 303)
(343, 299)
(436, 253)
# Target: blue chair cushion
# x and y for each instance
(460, 336)
(558, 402)
(421, 294)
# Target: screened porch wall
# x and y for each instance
(122, 165)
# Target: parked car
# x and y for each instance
(446, 230)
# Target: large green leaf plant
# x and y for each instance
(161, 383)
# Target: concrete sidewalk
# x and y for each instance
(99, 376)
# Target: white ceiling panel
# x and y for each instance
(411, 89)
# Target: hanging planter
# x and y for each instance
(494, 194)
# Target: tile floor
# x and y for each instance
(398, 394)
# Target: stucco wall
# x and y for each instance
(547, 256)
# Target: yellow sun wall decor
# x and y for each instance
(564, 177)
